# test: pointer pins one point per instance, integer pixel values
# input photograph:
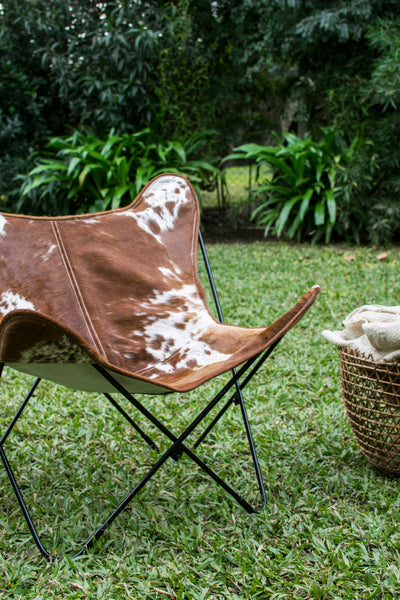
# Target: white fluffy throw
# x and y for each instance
(372, 330)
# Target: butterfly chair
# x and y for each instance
(112, 302)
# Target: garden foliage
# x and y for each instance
(306, 184)
(244, 69)
(82, 173)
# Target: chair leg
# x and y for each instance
(17, 489)
(215, 420)
(19, 411)
(253, 451)
(176, 447)
(10, 473)
(237, 398)
(135, 426)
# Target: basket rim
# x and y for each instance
(352, 352)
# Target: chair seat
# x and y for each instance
(180, 363)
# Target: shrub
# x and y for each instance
(308, 180)
(82, 173)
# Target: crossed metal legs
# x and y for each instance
(176, 449)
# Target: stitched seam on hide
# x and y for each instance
(195, 266)
(76, 290)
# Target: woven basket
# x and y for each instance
(371, 393)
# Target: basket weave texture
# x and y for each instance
(371, 393)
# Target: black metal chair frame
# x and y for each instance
(238, 381)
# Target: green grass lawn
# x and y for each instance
(331, 527)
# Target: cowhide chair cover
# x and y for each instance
(119, 290)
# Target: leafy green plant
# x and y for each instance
(82, 173)
(307, 178)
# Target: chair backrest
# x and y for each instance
(109, 276)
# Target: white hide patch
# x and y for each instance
(3, 223)
(46, 257)
(90, 220)
(10, 301)
(59, 351)
(162, 200)
(178, 332)
(173, 273)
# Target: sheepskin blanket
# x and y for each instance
(372, 330)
